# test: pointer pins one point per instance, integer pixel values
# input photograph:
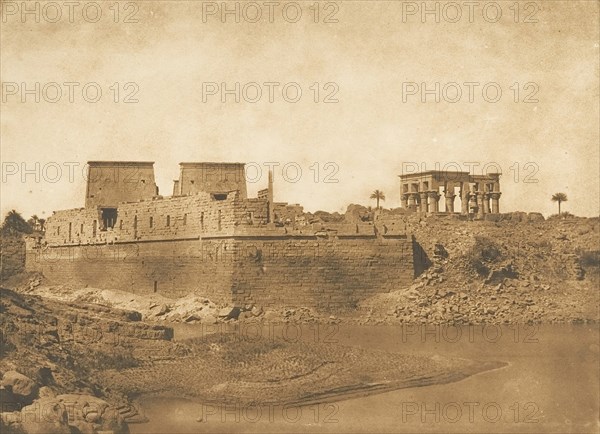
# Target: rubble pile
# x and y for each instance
(191, 309)
(515, 270)
(150, 307)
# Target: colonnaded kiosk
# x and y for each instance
(421, 192)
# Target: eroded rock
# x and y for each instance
(19, 384)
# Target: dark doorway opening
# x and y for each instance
(219, 196)
(109, 218)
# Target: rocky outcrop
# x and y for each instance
(53, 354)
(66, 413)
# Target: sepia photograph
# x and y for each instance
(308, 216)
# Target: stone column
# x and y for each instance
(404, 200)
(480, 211)
(464, 198)
(449, 201)
(423, 196)
(412, 202)
(472, 203)
(486, 202)
(496, 202)
(434, 197)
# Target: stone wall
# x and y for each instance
(224, 248)
(292, 270)
(12, 256)
(157, 219)
(176, 217)
(74, 226)
(321, 272)
(251, 212)
(172, 268)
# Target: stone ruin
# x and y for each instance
(210, 238)
(421, 192)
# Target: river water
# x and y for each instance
(551, 384)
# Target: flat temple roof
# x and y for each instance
(211, 163)
(433, 172)
(117, 163)
(444, 172)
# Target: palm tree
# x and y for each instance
(378, 195)
(559, 197)
(14, 224)
(34, 221)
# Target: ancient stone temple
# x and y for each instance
(210, 238)
(477, 194)
(112, 182)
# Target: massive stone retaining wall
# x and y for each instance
(290, 270)
(173, 268)
(327, 273)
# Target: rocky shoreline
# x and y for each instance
(52, 354)
(76, 366)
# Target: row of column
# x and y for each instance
(472, 202)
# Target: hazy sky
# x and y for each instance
(377, 56)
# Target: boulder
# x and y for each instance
(89, 414)
(45, 415)
(160, 310)
(19, 384)
(10, 421)
(193, 318)
(46, 392)
(229, 312)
